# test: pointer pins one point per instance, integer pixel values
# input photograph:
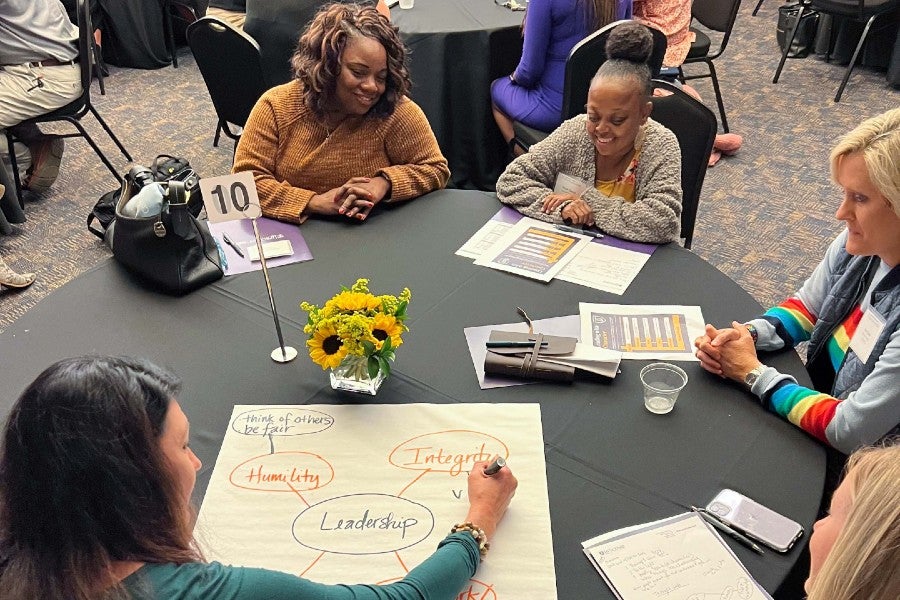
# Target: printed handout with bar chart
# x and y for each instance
(643, 332)
(535, 250)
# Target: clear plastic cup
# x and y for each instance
(662, 384)
(406, 4)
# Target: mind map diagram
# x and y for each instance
(351, 494)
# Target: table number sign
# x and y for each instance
(232, 198)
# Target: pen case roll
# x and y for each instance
(525, 363)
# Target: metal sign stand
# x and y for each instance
(282, 353)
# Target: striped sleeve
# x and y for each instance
(793, 321)
(806, 408)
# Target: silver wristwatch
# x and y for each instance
(754, 375)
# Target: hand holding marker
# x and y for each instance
(494, 467)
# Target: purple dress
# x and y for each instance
(552, 28)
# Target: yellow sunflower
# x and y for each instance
(352, 302)
(326, 348)
(387, 325)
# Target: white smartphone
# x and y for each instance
(755, 520)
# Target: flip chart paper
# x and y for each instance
(362, 494)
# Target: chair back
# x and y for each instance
(229, 62)
(718, 15)
(587, 56)
(695, 127)
(85, 55)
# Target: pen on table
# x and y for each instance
(715, 522)
(511, 344)
(568, 229)
(233, 245)
(495, 466)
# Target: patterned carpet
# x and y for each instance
(766, 214)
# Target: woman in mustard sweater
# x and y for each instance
(342, 137)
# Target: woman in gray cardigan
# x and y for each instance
(630, 164)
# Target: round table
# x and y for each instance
(610, 463)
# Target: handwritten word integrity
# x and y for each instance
(428, 455)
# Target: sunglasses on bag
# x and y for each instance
(510, 4)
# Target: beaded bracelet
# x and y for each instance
(477, 533)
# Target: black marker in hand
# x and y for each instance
(495, 466)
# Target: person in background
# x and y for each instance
(855, 549)
(110, 511)
(673, 17)
(848, 310)
(630, 165)
(533, 93)
(276, 25)
(39, 73)
(342, 137)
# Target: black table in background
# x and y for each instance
(457, 48)
(610, 463)
(882, 49)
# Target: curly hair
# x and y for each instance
(317, 61)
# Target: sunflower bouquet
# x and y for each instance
(357, 323)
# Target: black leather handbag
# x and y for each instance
(172, 251)
(165, 167)
(804, 39)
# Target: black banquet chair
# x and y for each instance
(695, 127)
(73, 112)
(185, 13)
(864, 11)
(715, 15)
(581, 66)
(229, 62)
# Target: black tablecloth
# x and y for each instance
(610, 463)
(882, 49)
(459, 47)
(133, 33)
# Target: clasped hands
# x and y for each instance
(354, 200)
(728, 352)
(574, 210)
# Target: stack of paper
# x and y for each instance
(532, 248)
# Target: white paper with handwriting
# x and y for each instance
(365, 492)
(679, 558)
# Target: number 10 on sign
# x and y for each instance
(231, 198)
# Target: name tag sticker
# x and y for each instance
(567, 184)
(867, 332)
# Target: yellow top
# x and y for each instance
(623, 185)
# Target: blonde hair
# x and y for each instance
(878, 139)
(864, 563)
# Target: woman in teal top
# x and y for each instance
(96, 478)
